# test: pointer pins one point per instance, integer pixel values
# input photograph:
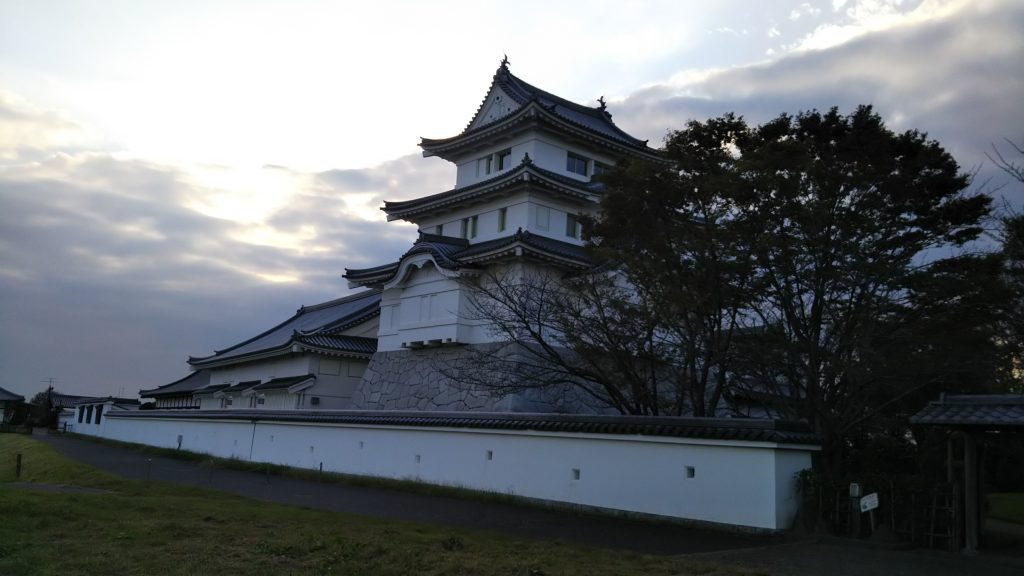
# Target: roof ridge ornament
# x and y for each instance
(601, 103)
(504, 61)
(527, 160)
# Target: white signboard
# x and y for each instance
(869, 502)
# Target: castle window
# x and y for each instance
(505, 159)
(573, 228)
(576, 163)
(599, 168)
(543, 217)
(484, 165)
(501, 219)
(469, 227)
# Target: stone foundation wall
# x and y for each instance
(427, 380)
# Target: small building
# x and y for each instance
(89, 414)
(973, 419)
(63, 409)
(313, 360)
(9, 403)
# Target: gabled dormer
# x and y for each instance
(516, 120)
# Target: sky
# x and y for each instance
(176, 177)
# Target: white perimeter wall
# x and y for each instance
(744, 484)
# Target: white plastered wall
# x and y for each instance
(736, 483)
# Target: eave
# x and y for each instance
(533, 115)
(526, 175)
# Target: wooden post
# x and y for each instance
(971, 515)
(17, 467)
(949, 458)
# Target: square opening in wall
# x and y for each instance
(691, 472)
(575, 473)
(490, 455)
(417, 458)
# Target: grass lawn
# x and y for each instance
(147, 528)
(1008, 506)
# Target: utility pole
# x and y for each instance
(49, 400)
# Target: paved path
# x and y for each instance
(780, 555)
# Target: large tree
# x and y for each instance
(848, 214)
(790, 259)
(575, 340)
(678, 234)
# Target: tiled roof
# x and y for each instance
(211, 389)
(352, 344)
(974, 411)
(58, 400)
(526, 174)
(307, 321)
(442, 248)
(370, 274)
(735, 429)
(8, 396)
(596, 121)
(105, 399)
(456, 256)
(241, 386)
(190, 383)
(287, 382)
(541, 244)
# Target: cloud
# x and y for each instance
(26, 130)
(114, 269)
(969, 101)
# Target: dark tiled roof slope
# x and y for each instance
(58, 400)
(356, 344)
(442, 248)
(974, 410)
(8, 396)
(307, 320)
(736, 429)
(460, 256)
(541, 243)
(594, 120)
(361, 274)
(280, 383)
(211, 388)
(103, 399)
(194, 381)
(505, 181)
